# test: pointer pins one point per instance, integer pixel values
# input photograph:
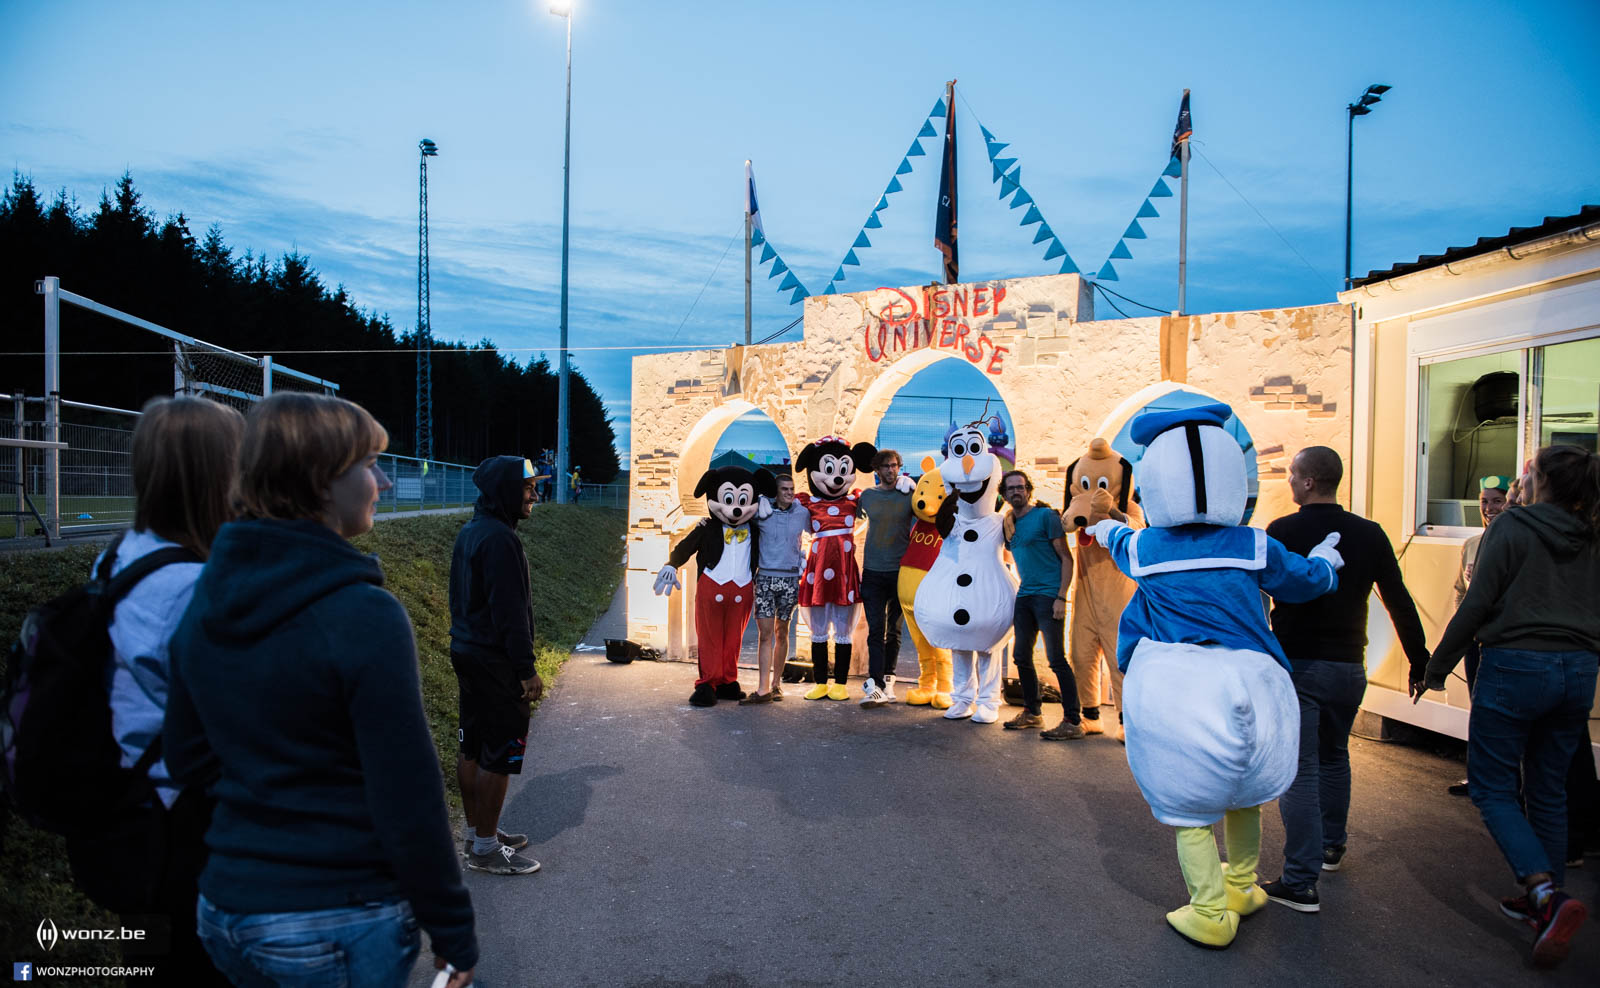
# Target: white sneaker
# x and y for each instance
(888, 690)
(872, 695)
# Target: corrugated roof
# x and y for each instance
(1511, 238)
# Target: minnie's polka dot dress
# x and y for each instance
(830, 575)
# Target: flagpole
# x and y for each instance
(1183, 219)
(747, 252)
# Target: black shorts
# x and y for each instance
(493, 725)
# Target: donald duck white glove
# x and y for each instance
(1326, 552)
(1101, 530)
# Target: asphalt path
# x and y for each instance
(819, 843)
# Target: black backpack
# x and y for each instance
(62, 768)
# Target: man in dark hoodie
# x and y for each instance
(491, 649)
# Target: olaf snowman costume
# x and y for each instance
(967, 601)
(1212, 721)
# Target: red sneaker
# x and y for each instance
(1557, 921)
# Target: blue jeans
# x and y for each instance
(357, 946)
(1034, 616)
(1317, 804)
(880, 592)
(1529, 709)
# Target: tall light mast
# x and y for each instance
(424, 450)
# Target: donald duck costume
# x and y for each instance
(1211, 716)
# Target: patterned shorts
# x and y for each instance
(776, 596)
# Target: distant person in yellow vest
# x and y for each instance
(577, 484)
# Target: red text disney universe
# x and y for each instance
(938, 319)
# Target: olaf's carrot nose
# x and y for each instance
(966, 464)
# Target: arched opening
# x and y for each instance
(910, 406)
(1167, 396)
(706, 440)
(752, 440)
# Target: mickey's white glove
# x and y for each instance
(667, 581)
(905, 485)
(1101, 530)
(763, 509)
(1325, 551)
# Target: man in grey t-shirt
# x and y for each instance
(777, 589)
(887, 508)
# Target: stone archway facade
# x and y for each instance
(1062, 375)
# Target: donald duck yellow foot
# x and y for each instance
(1213, 934)
(1246, 901)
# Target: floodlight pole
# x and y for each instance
(563, 446)
(1360, 108)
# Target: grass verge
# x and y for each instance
(574, 554)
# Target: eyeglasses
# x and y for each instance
(1014, 489)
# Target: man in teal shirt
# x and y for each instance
(1038, 544)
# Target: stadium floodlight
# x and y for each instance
(1360, 108)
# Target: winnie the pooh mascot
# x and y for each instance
(1212, 721)
(933, 664)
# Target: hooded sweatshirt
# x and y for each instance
(491, 602)
(295, 695)
(1536, 586)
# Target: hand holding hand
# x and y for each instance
(1325, 551)
(666, 581)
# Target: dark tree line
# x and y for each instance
(122, 256)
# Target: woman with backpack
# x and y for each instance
(1532, 606)
(296, 696)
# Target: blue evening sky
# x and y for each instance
(294, 125)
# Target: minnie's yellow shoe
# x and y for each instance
(919, 697)
(817, 692)
(838, 692)
(1213, 934)
(1246, 901)
(941, 701)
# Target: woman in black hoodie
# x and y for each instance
(1533, 605)
(295, 698)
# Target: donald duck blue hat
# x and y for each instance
(1152, 424)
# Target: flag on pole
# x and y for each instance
(944, 219)
(750, 207)
(1185, 128)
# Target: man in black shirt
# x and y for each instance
(1325, 640)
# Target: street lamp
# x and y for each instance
(563, 448)
(1359, 108)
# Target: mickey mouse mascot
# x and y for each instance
(1212, 721)
(724, 546)
(830, 584)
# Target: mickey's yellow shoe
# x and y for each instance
(838, 692)
(941, 701)
(918, 697)
(1246, 901)
(1214, 934)
(817, 692)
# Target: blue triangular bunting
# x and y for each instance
(905, 167)
(767, 253)
(1021, 199)
(1134, 232)
(938, 108)
(1045, 233)
(1010, 183)
(927, 129)
(1120, 251)
(1001, 166)
(1032, 216)
(995, 147)
(839, 274)
(1055, 251)
(1174, 168)
(778, 267)
(861, 240)
(756, 239)
(1107, 273)
(1148, 211)
(915, 149)
(789, 281)
(830, 290)
(1160, 191)
(873, 222)
(1067, 267)
(883, 203)
(986, 135)
(850, 258)
(895, 186)
(799, 293)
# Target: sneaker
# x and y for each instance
(872, 696)
(514, 841)
(888, 690)
(1092, 725)
(1459, 788)
(1557, 920)
(1065, 731)
(502, 861)
(1518, 908)
(1332, 857)
(1300, 900)
(1023, 721)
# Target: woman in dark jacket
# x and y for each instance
(296, 697)
(1533, 606)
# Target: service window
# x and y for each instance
(1470, 425)
(1567, 396)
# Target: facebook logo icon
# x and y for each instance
(21, 971)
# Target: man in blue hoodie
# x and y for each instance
(491, 649)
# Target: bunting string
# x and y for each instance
(1007, 173)
(1147, 211)
(790, 282)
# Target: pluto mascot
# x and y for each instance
(1099, 486)
(967, 600)
(933, 664)
(830, 583)
(1213, 725)
(725, 549)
